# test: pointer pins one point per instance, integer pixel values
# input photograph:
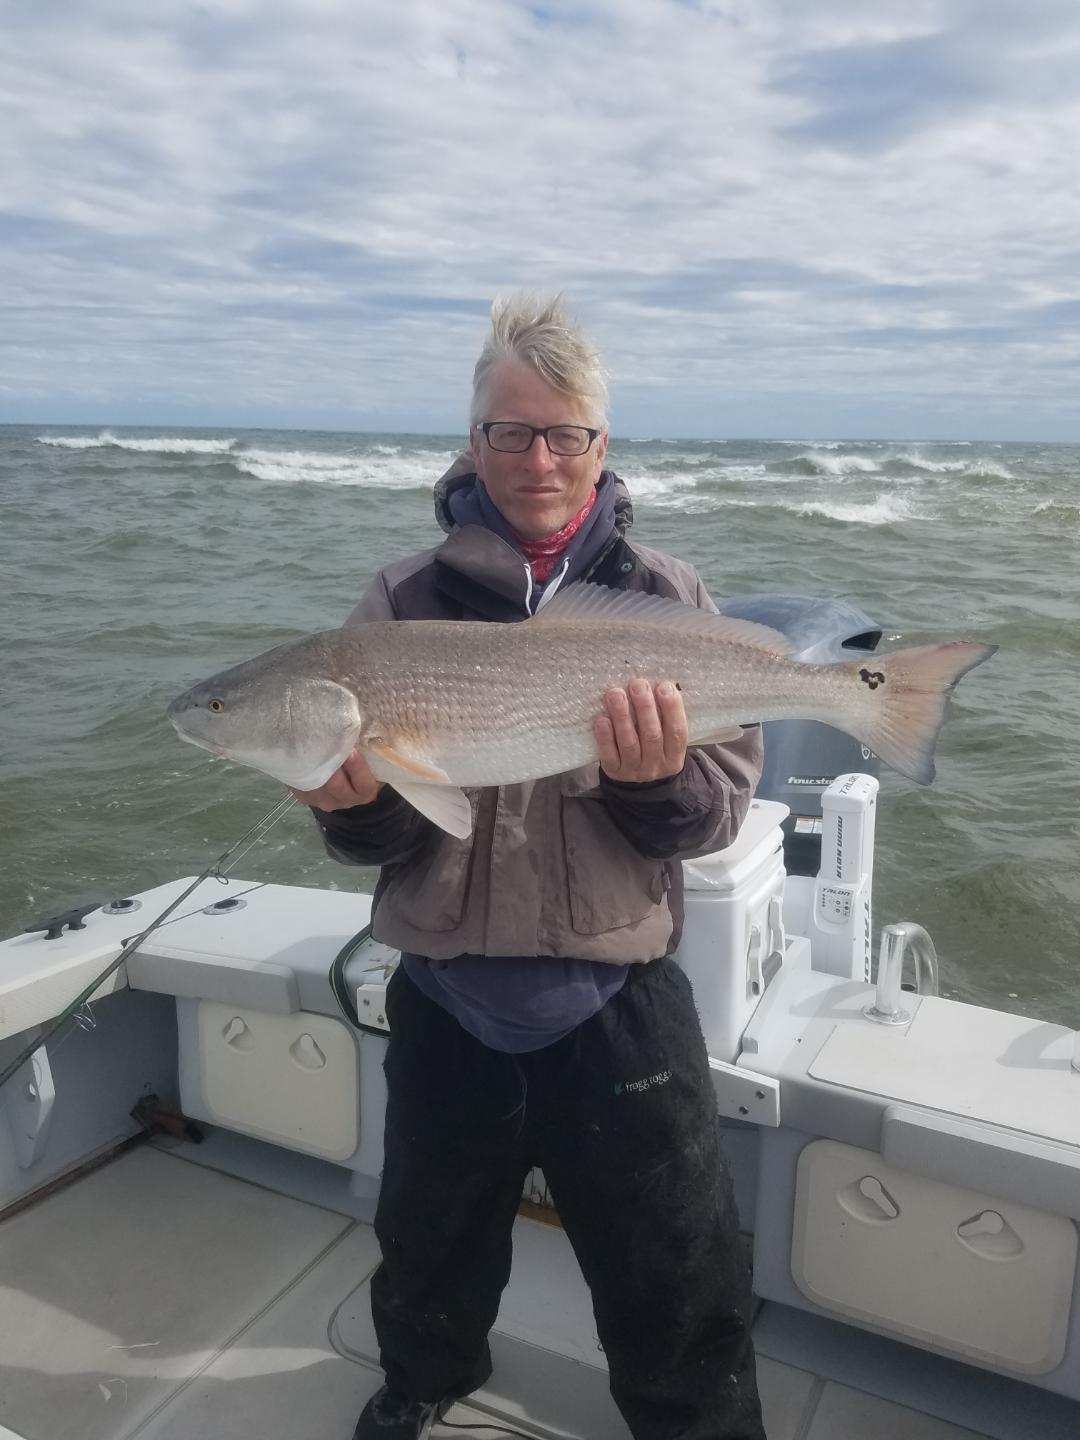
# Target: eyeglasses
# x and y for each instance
(514, 437)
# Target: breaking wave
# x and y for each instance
(828, 463)
(1059, 510)
(382, 466)
(885, 510)
(385, 465)
(151, 445)
(989, 470)
(648, 486)
(980, 469)
(745, 472)
(815, 444)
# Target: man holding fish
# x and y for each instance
(529, 791)
(537, 1018)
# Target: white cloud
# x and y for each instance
(281, 214)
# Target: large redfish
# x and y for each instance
(437, 705)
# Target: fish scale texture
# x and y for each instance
(491, 704)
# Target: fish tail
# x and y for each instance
(910, 689)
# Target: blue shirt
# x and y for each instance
(516, 1003)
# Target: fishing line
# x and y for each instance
(248, 839)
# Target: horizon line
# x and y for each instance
(104, 427)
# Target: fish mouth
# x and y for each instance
(214, 749)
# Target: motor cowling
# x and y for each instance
(804, 757)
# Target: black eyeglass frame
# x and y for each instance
(488, 425)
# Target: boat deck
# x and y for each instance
(219, 1292)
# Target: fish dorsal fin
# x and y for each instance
(598, 602)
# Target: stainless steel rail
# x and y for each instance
(895, 942)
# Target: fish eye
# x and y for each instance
(216, 706)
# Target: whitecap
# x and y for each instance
(744, 472)
(73, 442)
(375, 469)
(297, 459)
(151, 445)
(808, 444)
(1062, 509)
(344, 475)
(170, 445)
(981, 468)
(933, 467)
(829, 464)
(989, 470)
(833, 464)
(885, 510)
(646, 485)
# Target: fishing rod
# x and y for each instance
(254, 835)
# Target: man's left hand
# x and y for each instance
(642, 734)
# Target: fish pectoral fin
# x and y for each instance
(425, 787)
(444, 805)
(422, 770)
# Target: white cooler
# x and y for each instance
(733, 940)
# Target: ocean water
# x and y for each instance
(136, 561)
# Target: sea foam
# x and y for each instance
(829, 463)
(885, 510)
(150, 445)
(1061, 510)
(381, 467)
(982, 469)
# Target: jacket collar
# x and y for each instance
(480, 567)
(457, 500)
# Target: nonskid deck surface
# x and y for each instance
(163, 1298)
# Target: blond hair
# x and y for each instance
(535, 330)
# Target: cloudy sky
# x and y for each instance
(780, 217)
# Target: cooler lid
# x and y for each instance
(759, 837)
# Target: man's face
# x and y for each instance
(537, 492)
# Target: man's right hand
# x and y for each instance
(353, 784)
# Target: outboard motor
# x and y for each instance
(804, 757)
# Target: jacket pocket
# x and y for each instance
(610, 883)
(430, 890)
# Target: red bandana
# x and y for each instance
(543, 553)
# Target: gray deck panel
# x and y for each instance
(118, 1288)
(259, 1307)
(282, 1375)
(843, 1412)
(979, 1401)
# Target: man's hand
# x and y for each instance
(642, 735)
(353, 784)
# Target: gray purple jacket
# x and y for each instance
(574, 868)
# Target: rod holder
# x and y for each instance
(895, 942)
